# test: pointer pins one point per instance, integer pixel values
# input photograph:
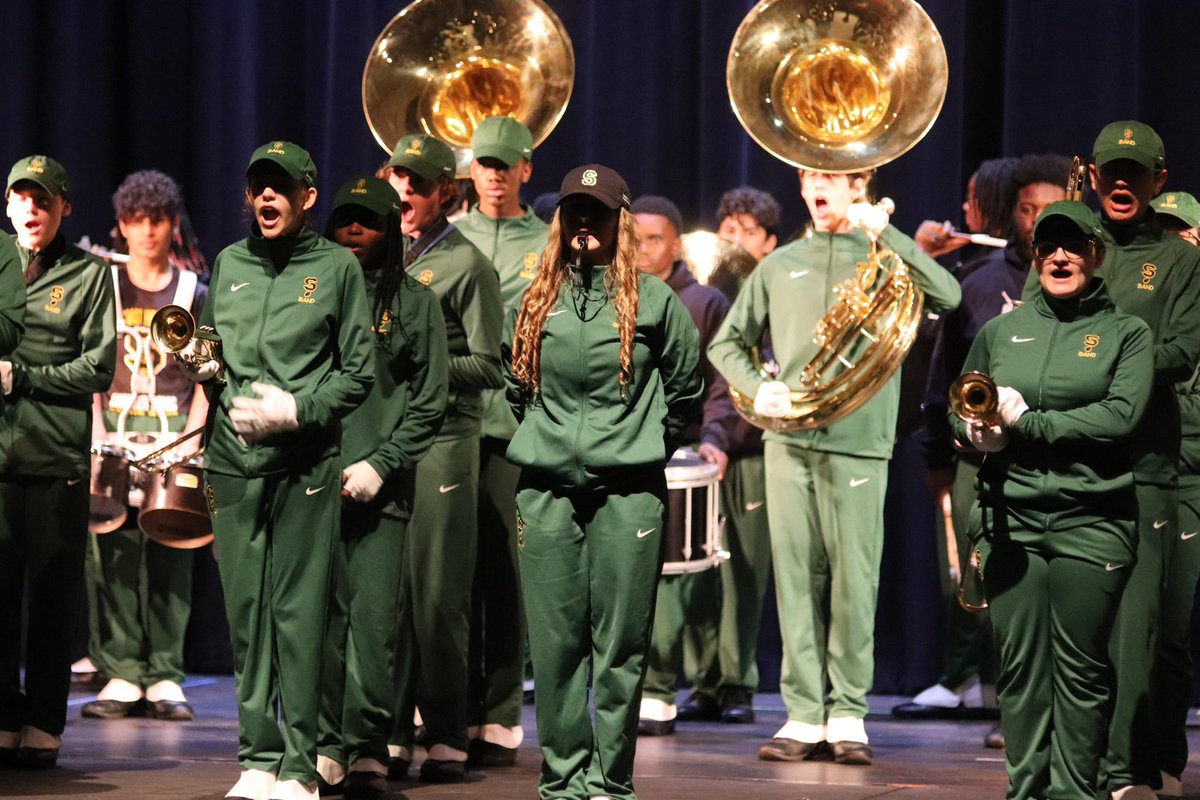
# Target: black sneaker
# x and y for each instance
(112, 709)
(656, 727)
(437, 771)
(737, 706)
(365, 784)
(398, 769)
(699, 708)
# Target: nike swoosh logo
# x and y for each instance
(858, 482)
(752, 506)
(1111, 567)
(444, 489)
(1159, 524)
(643, 534)
(1019, 340)
(556, 313)
(1186, 536)
(797, 273)
(234, 287)
(73, 482)
(311, 490)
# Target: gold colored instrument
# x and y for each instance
(709, 256)
(173, 328)
(841, 86)
(1075, 180)
(440, 67)
(837, 85)
(973, 398)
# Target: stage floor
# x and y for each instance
(929, 760)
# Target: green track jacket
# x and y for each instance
(1086, 371)
(789, 293)
(401, 416)
(69, 352)
(513, 245)
(579, 431)
(469, 290)
(292, 313)
(1155, 276)
(12, 297)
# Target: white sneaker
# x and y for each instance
(294, 790)
(937, 696)
(1172, 786)
(254, 784)
(1139, 792)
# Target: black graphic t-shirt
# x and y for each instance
(148, 381)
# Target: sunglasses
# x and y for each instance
(1077, 248)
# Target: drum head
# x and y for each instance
(176, 527)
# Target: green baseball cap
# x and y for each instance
(373, 194)
(1130, 139)
(294, 159)
(42, 170)
(1079, 216)
(1181, 205)
(425, 156)
(503, 138)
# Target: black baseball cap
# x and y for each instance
(598, 181)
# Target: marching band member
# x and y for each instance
(511, 236)
(1154, 276)
(1056, 511)
(45, 436)
(727, 679)
(684, 603)
(291, 310)
(439, 565)
(1179, 213)
(825, 488)
(991, 285)
(140, 591)
(382, 441)
(602, 376)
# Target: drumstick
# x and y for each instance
(951, 541)
(980, 238)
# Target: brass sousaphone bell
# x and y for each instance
(440, 67)
(841, 86)
(172, 328)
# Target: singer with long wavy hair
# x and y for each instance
(602, 375)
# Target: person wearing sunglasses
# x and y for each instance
(1055, 520)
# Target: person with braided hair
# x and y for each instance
(602, 373)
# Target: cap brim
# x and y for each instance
(374, 206)
(39, 181)
(1107, 156)
(419, 167)
(291, 171)
(511, 156)
(609, 202)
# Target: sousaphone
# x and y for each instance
(841, 86)
(441, 67)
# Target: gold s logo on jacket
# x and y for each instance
(426, 276)
(310, 286)
(529, 269)
(57, 293)
(1089, 345)
(1149, 271)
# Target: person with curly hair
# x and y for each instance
(603, 375)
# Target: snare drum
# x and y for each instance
(692, 539)
(175, 507)
(107, 508)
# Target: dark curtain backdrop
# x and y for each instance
(191, 88)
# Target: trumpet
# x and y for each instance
(973, 398)
(173, 328)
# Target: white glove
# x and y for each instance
(272, 412)
(773, 399)
(361, 482)
(6, 373)
(871, 217)
(987, 438)
(1010, 405)
(197, 373)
